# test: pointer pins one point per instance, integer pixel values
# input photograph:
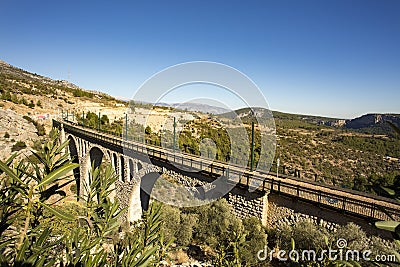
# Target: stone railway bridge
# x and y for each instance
(277, 199)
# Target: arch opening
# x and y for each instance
(122, 171)
(131, 170)
(140, 197)
(115, 162)
(73, 151)
(96, 157)
(146, 186)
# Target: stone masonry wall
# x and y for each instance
(285, 210)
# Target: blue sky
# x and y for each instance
(335, 58)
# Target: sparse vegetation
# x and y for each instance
(18, 146)
(36, 230)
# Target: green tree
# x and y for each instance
(148, 130)
(104, 120)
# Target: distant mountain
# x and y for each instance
(190, 106)
(199, 107)
(374, 123)
(262, 112)
(369, 123)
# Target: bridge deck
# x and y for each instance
(352, 202)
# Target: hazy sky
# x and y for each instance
(335, 58)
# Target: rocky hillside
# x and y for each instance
(374, 123)
(29, 100)
(16, 134)
(34, 95)
(19, 80)
(43, 98)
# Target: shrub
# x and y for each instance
(6, 135)
(148, 130)
(18, 146)
(171, 221)
(255, 239)
(41, 131)
(29, 119)
(39, 127)
(14, 99)
(6, 96)
(74, 189)
(31, 104)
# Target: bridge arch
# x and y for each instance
(131, 170)
(95, 156)
(122, 169)
(82, 147)
(139, 166)
(140, 197)
(115, 162)
(73, 151)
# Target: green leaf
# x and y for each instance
(292, 243)
(387, 225)
(58, 173)
(388, 190)
(60, 214)
(61, 147)
(21, 252)
(8, 171)
(145, 258)
(10, 159)
(326, 241)
(397, 255)
(354, 263)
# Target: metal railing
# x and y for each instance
(348, 201)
